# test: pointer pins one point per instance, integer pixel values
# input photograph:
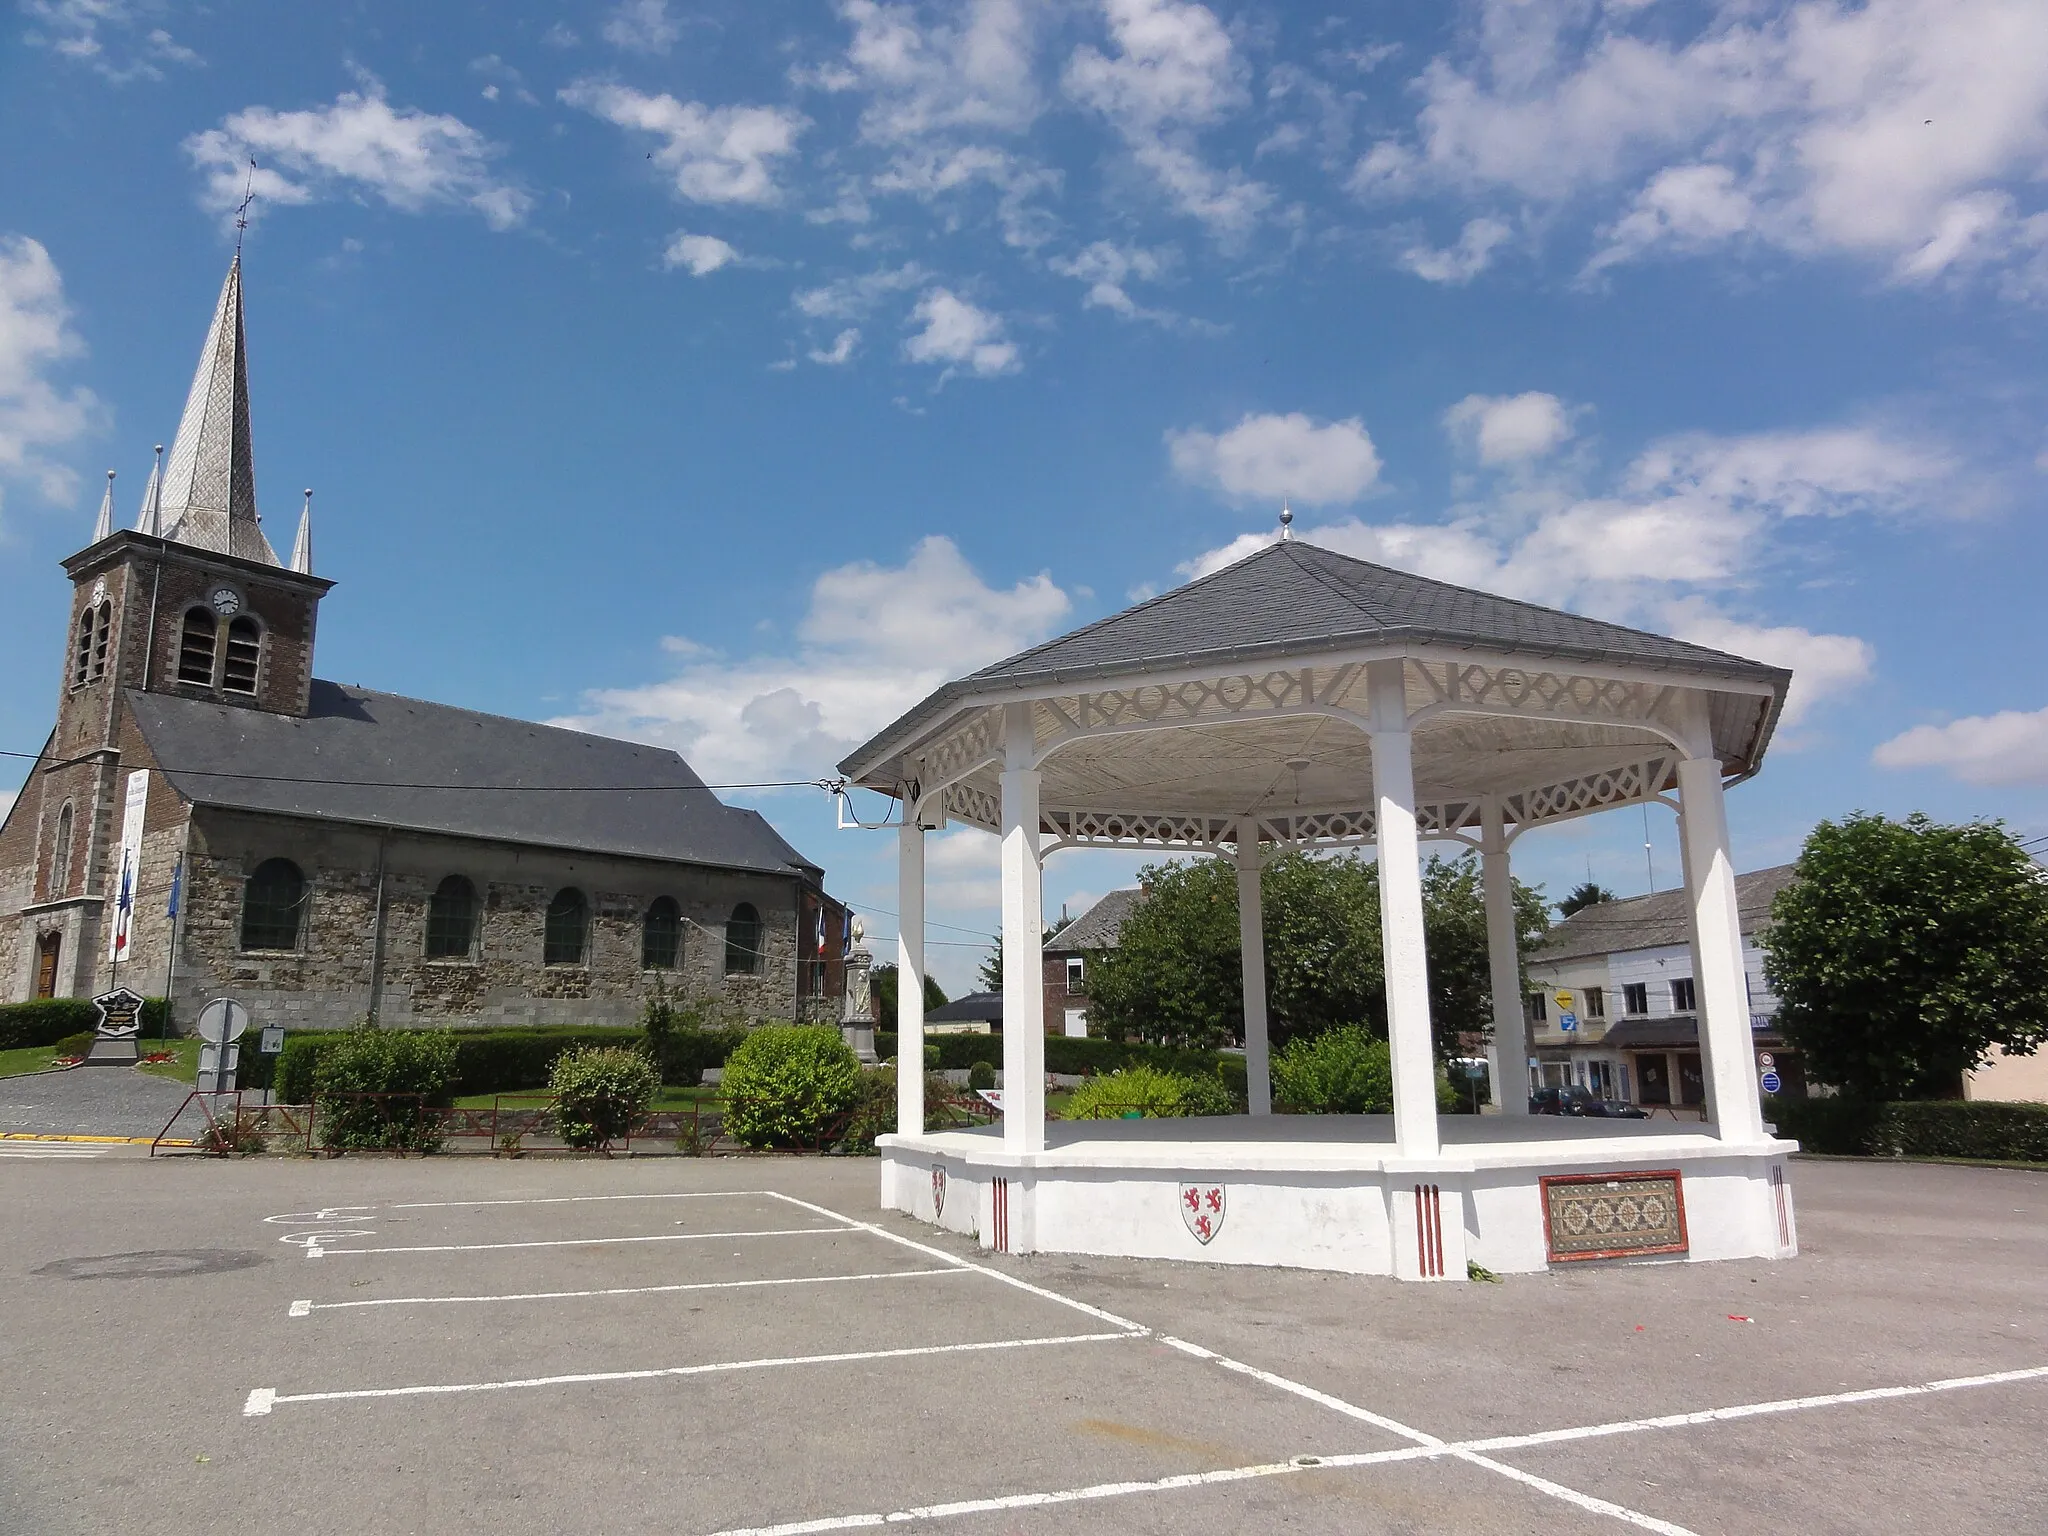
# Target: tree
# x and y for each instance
(990, 975)
(1176, 978)
(882, 985)
(1586, 894)
(1904, 951)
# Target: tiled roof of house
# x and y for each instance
(1653, 922)
(1098, 927)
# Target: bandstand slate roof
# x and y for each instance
(1297, 599)
(380, 759)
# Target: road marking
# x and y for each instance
(696, 1194)
(580, 1242)
(262, 1399)
(1465, 1450)
(61, 1154)
(114, 1141)
(305, 1308)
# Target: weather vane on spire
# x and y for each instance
(242, 208)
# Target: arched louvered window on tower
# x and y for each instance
(661, 935)
(195, 647)
(81, 665)
(273, 906)
(567, 930)
(743, 941)
(245, 656)
(451, 920)
(102, 626)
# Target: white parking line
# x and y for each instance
(262, 1399)
(1463, 1450)
(696, 1194)
(584, 1242)
(306, 1308)
(73, 1153)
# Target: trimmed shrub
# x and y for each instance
(1344, 1071)
(787, 1085)
(75, 1045)
(411, 1070)
(981, 1075)
(1938, 1128)
(689, 1049)
(508, 1060)
(601, 1092)
(1150, 1092)
(1076, 1056)
(875, 1114)
(47, 1020)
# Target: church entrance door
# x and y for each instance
(47, 949)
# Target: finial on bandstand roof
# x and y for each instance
(1286, 519)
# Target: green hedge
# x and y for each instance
(49, 1019)
(496, 1060)
(1081, 1056)
(1939, 1128)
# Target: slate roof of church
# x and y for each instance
(1294, 599)
(1660, 921)
(369, 758)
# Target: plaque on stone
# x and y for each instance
(114, 1040)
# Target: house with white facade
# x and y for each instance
(1611, 1005)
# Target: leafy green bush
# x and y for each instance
(981, 1075)
(509, 1060)
(1849, 1127)
(787, 1085)
(47, 1020)
(1343, 1071)
(408, 1070)
(601, 1091)
(1150, 1092)
(75, 1045)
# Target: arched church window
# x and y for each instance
(60, 856)
(273, 903)
(567, 929)
(743, 941)
(245, 655)
(451, 920)
(195, 647)
(661, 935)
(81, 667)
(102, 623)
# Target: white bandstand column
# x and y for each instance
(1023, 938)
(1726, 1046)
(1406, 959)
(910, 972)
(1251, 940)
(1508, 1055)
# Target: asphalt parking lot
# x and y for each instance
(728, 1346)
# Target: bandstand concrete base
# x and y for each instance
(1331, 1192)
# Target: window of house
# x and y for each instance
(1538, 1007)
(1635, 997)
(661, 935)
(245, 656)
(567, 929)
(451, 920)
(195, 647)
(1682, 994)
(1595, 1002)
(743, 941)
(1074, 974)
(60, 856)
(272, 903)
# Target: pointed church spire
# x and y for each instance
(104, 528)
(209, 488)
(151, 521)
(302, 546)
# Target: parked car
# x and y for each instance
(1559, 1101)
(1612, 1109)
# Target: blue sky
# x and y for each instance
(731, 375)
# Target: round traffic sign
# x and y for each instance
(1772, 1082)
(1766, 1060)
(222, 1020)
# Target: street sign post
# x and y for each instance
(271, 1043)
(221, 1023)
(1567, 1021)
(1771, 1082)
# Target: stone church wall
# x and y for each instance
(335, 976)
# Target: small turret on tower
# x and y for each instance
(104, 528)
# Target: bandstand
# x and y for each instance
(1303, 699)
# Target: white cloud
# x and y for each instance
(83, 30)
(854, 298)
(1823, 666)
(1507, 429)
(642, 26)
(841, 350)
(1460, 263)
(960, 335)
(700, 254)
(410, 159)
(37, 415)
(1174, 71)
(1266, 457)
(2008, 748)
(1106, 268)
(1906, 132)
(875, 640)
(929, 79)
(714, 154)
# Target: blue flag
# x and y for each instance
(177, 880)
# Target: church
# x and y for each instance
(209, 819)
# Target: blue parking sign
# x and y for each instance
(1772, 1082)
(1567, 1021)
